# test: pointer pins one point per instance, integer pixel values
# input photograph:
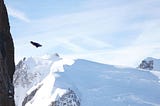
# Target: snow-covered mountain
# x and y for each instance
(150, 64)
(55, 81)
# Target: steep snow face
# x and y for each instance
(150, 64)
(46, 93)
(29, 72)
(63, 82)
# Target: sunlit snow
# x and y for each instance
(95, 84)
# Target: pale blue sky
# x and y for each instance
(108, 31)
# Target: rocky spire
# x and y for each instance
(7, 66)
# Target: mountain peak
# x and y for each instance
(150, 63)
(81, 82)
(52, 56)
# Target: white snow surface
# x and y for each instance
(94, 83)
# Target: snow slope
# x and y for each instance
(58, 82)
(29, 72)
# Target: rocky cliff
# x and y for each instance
(7, 66)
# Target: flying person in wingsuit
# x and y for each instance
(35, 44)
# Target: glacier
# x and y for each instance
(54, 81)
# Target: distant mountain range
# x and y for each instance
(55, 81)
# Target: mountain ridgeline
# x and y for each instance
(54, 81)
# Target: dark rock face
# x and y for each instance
(31, 95)
(7, 66)
(146, 65)
(68, 99)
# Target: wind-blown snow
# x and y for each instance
(94, 84)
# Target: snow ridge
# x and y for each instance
(67, 82)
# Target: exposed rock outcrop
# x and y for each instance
(146, 65)
(7, 66)
(68, 99)
(31, 95)
(150, 63)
